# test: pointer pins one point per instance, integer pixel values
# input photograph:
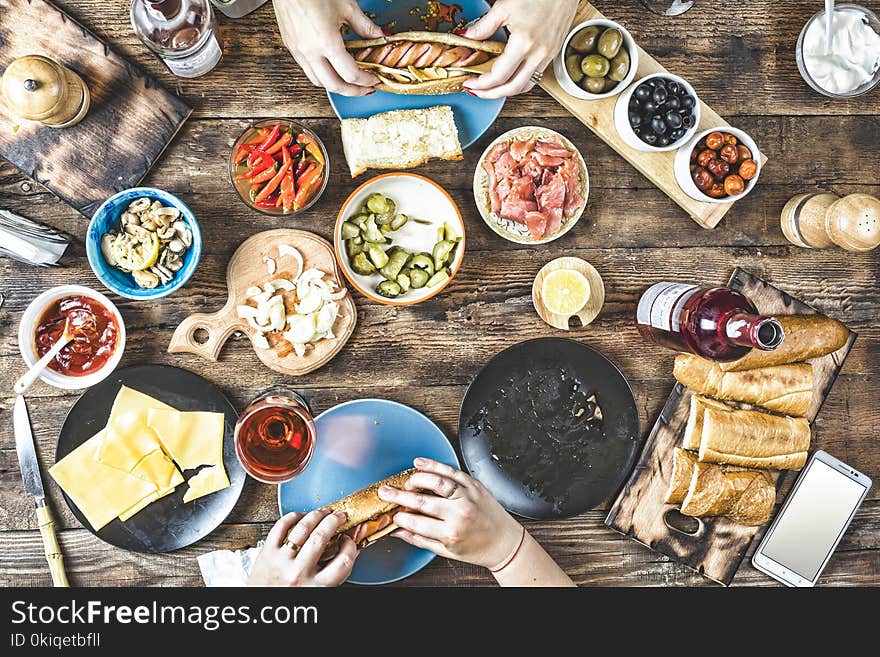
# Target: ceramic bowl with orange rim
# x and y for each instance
(429, 209)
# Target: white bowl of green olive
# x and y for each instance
(599, 59)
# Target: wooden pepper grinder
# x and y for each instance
(37, 88)
(820, 220)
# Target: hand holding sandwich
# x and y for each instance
(537, 29)
(310, 31)
(455, 516)
(293, 547)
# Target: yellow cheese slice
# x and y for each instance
(140, 506)
(207, 481)
(98, 490)
(128, 438)
(158, 469)
(190, 438)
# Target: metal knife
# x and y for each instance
(33, 486)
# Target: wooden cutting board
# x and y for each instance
(131, 120)
(205, 334)
(718, 546)
(598, 116)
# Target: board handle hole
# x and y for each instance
(201, 335)
(679, 522)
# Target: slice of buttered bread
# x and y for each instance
(400, 139)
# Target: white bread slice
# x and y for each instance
(400, 139)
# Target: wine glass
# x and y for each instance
(668, 7)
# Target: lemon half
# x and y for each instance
(136, 254)
(565, 291)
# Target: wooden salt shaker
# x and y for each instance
(803, 220)
(853, 222)
(37, 88)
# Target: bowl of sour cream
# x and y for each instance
(852, 66)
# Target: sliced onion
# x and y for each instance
(253, 290)
(286, 249)
(270, 264)
(283, 284)
(260, 341)
(302, 329)
(300, 349)
(246, 311)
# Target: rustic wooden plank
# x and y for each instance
(131, 120)
(589, 552)
(719, 546)
(738, 56)
(657, 167)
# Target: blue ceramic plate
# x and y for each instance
(120, 282)
(359, 443)
(473, 116)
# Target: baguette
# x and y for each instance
(806, 336)
(400, 139)
(693, 431)
(785, 389)
(424, 62)
(706, 489)
(753, 439)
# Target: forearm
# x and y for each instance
(532, 566)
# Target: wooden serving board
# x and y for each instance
(598, 116)
(130, 122)
(718, 546)
(247, 268)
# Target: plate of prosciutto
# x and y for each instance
(531, 185)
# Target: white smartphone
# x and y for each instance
(812, 521)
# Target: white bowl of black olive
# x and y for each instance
(658, 113)
(599, 58)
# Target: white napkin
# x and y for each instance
(228, 567)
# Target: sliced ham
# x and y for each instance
(494, 198)
(495, 154)
(553, 149)
(573, 197)
(505, 164)
(537, 224)
(520, 149)
(547, 160)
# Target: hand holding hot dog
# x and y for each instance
(310, 30)
(537, 30)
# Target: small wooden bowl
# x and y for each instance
(594, 304)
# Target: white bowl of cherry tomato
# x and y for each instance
(278, 167)
(720, 165)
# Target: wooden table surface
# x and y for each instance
(741, 59)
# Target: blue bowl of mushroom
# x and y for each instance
(143, 243)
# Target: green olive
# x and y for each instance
(610, 84)
(594, 85)
(595, 66)
(609, 42)
(619, 66)
(573, 67)
(585, 40)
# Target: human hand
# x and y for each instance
(279, 564)
(460, 520)
(310, 31)
(537, 30)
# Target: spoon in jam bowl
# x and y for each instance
(78, 322)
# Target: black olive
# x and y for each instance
(642, 91)
(687, 101)
(659, 82)
(660, 95)
(663, 141)
(687, 121)
(652, 83)
(638, 131)
(672, 103)
(674, 87)
(673, 120)
(635, 119)
(649, 138)
(633, 104)
(649, 106)
(658, 125)
(677, 134)
(682, 91)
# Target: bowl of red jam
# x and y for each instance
(97, 326)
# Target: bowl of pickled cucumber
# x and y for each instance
(598, 59)
(399, 239)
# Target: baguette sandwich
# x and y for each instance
(368, 519)
(424, 62)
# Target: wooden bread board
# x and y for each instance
(718, 546)
(131, 120)
(598, 116)
(246, 269)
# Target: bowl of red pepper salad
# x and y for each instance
(278, 167)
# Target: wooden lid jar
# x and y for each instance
(803, 220)
(37, 88)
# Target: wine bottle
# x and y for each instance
(715, 323)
